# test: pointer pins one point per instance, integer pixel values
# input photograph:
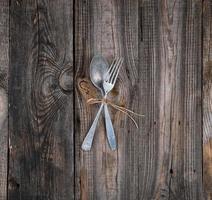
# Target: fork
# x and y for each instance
(108, 84)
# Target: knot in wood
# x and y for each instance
(66, 80)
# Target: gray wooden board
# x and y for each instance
(41, 100)
(4, 66)
(207, 99)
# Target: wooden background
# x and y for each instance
(45, 50)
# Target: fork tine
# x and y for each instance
(110, 68)
(113, 67)
(115, 70)
(112, 64)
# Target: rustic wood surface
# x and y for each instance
(161, 78)
(207, 99)
(45, 51)
(4, 66)
(41, 157)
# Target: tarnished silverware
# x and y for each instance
(104, 79)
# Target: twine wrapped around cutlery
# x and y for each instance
(117, 107)
(90, 94)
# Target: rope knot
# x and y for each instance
(117, 107)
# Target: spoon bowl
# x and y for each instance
(98, 68)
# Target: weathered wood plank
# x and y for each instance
(41, 100)
(4, 66)
(180, 153)
(93, 35)
(99, 30)
(207, 98)
(161, 78)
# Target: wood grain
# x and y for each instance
(41, 99)
(161, 78)
(179, 172)
(97, 31)
(4, 66)
(207, 97)
(166, 75)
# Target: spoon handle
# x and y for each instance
(109, 127)
(86, 145)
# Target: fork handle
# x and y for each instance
(109, 127)
(87, 143)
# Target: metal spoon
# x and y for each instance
(98, 68)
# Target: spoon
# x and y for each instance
(98, 68)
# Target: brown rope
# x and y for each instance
(117, 107)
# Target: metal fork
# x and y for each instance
(109, 82)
